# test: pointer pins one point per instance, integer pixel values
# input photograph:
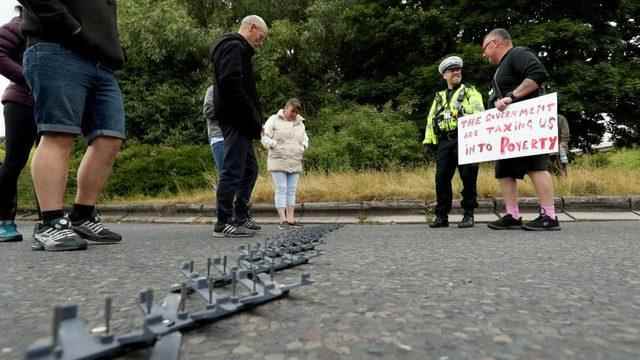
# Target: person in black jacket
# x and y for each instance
(519, 76)
(73, 51)
(238, 111)
(20, 129)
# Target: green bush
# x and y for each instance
(597, 160)
(152, 170)
(360, 137)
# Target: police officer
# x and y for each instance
(441, 135)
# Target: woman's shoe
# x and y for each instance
(295, 225)
(283, 226)
(9, 232)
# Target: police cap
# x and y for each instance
(450, 62)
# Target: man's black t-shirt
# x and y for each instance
(517, 64)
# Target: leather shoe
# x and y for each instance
(439, 222)
(467, 221)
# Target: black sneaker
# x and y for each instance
(439, 222)
(250, 224)
(542, 223)
(506, 222)
(92, 229)
(57, 236)
(230, 231)
(295, 225)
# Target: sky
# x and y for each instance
(6, 13)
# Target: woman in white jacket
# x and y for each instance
(286, 139)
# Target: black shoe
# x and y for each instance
(250, 224)
(92, 229)
(506, 222)
(467, 221)
(542, 223)
(295, 225)
(57, 236)
(231, 231)
(439, 222)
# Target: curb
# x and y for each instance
(573, 208)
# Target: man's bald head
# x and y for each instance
(254, 29)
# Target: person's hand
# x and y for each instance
(502, 103)
(429, 151)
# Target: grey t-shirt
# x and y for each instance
(213, 128)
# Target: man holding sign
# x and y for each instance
(441, 134)
(519, 76)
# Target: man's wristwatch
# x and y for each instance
(510, 95)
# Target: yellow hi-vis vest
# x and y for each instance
(464, 101)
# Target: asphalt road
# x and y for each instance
(381, 291)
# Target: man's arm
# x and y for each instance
(534, 74)
(475, 102)
(53, 14)
(8, 67)
(429, 134)
(526, 87)
(207, 107)
(229, 68)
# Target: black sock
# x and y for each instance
(49, 216)
(81, 212)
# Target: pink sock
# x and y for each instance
(514, 210)
(549, 210)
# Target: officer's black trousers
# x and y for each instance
(237, 178)
(446, 164)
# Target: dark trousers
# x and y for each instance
(238, 177)
(20, 135)
(446, 164)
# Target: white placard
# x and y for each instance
(523, 129)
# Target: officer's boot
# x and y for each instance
(439, 221)
(467, 220)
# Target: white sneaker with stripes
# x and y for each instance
(57, 236)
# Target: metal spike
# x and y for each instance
(253, 277)
(208, 268)
(210, 283)
(183, 297)
(107, 315)
(57, 319)
(234, 280)
(191, 266)
(149, 300)
(224, 265)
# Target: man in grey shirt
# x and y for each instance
(216, 140)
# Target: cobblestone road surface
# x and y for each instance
(382, 291)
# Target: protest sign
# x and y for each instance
(523, 129)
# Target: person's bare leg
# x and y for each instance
(282, 215)
(95, 169)
(50, 169)
(543, 184)
(509, 187)
(290, 214)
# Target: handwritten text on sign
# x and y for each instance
(525, 128)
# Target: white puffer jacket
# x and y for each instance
(286, 141)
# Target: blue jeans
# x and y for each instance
(217, 150)
(237, 178)
(72, 94)
(285, 185)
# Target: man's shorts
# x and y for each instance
(72, 94)
(517, 168)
